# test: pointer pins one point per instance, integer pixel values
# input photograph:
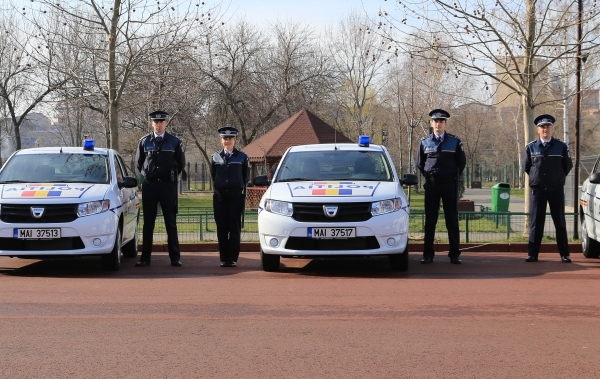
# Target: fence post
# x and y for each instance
(508, 226)
(467, 216)
(201, 239)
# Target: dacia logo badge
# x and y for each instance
(330, 210)
(37, 212)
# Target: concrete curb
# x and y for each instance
(509, 247)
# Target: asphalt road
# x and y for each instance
(494, 316)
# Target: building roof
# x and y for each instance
(301, 129)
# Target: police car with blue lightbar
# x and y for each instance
(334, 200)
(68, 202)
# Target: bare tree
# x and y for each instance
(359, 67)
(253, 77)
(26, 74)
(130, 32)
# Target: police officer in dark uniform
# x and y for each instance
(160, 159)
(441, 160)
(230, 173)
(547, 162)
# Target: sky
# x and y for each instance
(316, 13)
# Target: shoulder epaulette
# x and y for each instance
(145, 135)
(529, 143)
(451, 135)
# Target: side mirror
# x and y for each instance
(410, 180)
(595, 178)
(128, 182)
(261, 181)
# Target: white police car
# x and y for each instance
(67, 201)
(334, 200)
(589, 213)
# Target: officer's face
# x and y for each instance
(545, 131)
(227, 143)
(159, 126)
(438, 125)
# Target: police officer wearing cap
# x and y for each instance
(230, 173)
(547, 163)
(441, 160)
(160, 159)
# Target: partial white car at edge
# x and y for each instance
(589, 213)
(68, 201)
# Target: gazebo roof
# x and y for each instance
(301, 129)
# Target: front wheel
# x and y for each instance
(589, 247)
(269, 262)
(399, 262)
(112, 261)
(130, 249)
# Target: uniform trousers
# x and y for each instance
(446, 192)
(165, 193)
(228, 212)
(537, 213)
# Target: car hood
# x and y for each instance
(40, 192)
(309, 190)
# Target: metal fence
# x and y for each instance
(198, 225)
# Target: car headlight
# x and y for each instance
(279, 207)
(92, 208)
(385, 206)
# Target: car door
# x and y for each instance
(128, 197)
(593, 205)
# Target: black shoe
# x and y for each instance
(176, 263)
(455, 260)
(223, 264)
(427, 260)
(232, 264)
(565, 258)
(142, 263)
(531, 258)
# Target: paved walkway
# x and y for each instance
(483, 196)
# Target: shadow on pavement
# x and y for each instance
(474, 266)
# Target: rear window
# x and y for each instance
(334, 165)
(63, 168)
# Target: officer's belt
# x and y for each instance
(158, 180)
(237, 190)
(443, 180)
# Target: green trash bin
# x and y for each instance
(500, 197)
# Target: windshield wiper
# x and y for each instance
(14, 181)
(294, 180)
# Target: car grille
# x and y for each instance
(358, 243)
(64, 243)
(347, 212)
(53, 213)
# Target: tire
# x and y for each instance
(589, 247)
(399, 262)
(269, 262)
(112, 261)
(130, 249)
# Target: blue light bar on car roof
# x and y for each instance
(364, 141)
(88, 144)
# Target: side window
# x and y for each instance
(596, 166)
(119, 168)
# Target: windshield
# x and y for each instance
(334, 165)
(56, 168)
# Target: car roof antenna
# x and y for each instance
(334, 139)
